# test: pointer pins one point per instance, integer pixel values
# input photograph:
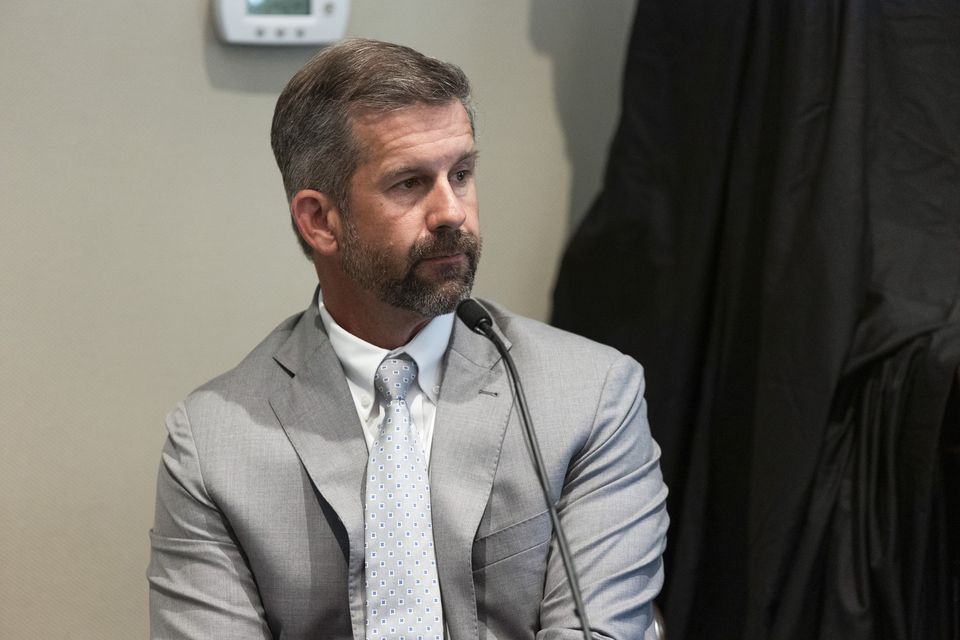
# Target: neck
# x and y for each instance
(373, 321)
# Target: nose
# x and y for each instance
(445, 208)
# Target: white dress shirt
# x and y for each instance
(360, 361)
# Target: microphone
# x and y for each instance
(474, 316)
(479, 321)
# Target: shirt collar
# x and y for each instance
(360, 359)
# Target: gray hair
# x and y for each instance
(312, 136)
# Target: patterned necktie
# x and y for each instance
(403, 593)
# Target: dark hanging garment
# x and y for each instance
(778, 242)
(872, 560)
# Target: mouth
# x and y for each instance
(444, 266)
(447, 257)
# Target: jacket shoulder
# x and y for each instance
(258, 372)
(524, 333)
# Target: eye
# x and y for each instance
(461, 175)
(409, 183)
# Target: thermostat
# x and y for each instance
(281, 22)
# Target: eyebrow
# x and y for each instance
(469, 156)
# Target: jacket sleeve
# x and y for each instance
(200, 584)
(613, 510)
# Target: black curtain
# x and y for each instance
(778, 242)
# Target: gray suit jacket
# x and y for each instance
(259, 517)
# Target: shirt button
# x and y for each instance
(436, 389)
(365, 402)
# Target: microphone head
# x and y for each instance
(474, 316)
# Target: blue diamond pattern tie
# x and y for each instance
(403, 592)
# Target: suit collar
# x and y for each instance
(308, 336)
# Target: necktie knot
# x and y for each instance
(395, 376)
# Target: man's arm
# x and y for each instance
(613, 511)
(200, 584)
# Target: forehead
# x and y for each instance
(419, 133)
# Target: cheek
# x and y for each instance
(472, 223)
(396, 240)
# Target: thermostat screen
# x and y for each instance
(279, 7)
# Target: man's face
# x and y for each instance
(411, 232)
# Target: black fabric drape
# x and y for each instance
(778, 242)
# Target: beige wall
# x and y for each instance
(144, 244)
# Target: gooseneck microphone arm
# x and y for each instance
(479, 321)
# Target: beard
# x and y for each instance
(395, 279)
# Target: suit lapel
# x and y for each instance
(317, 413)
(472, 415)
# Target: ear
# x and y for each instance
(317, 219)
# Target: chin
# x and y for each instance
(438, 300)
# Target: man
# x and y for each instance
(278, 511)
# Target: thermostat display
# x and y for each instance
(281, 22)
(279, 7)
